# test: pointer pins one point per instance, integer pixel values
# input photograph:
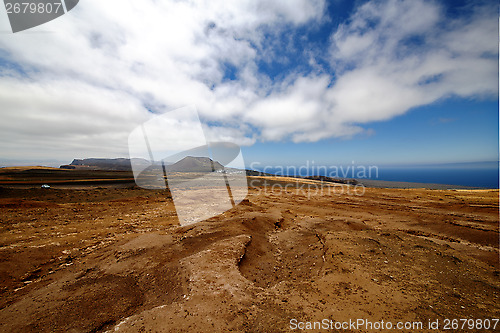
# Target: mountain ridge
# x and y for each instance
(186, 164)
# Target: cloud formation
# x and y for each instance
(78, 85)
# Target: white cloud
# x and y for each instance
(54, 118)
(90, 75)
(93, 72)
(396, 55)
(298, 109)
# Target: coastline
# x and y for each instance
(411, 185)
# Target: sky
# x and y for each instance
(290, 81)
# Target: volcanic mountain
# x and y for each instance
(119, 164)
(195, 164)
(187, 164)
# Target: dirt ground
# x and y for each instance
(102, 258)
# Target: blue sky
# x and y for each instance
(452, 131)
(387, 82)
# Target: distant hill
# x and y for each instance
(195, 164)
(117, 164)
(258, 173)
(333, 180)
(187, 164)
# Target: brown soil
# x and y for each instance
(97, 259)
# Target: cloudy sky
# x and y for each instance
(289, 80)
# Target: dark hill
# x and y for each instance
(187, 164)
(195, 164)
(333, 180)
(118, 164)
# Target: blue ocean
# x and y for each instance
(475, 175)
(481, 177)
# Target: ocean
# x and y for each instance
(480, 177)
(486, 177)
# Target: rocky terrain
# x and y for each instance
(113, 258)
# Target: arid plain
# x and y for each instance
(97, 255)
